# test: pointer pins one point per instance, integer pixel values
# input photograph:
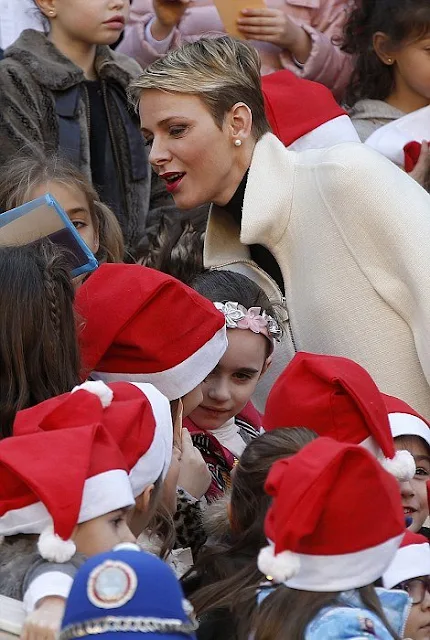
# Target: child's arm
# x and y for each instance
(45, 621)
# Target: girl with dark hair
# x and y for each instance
(39, 355)
(225, 421)
(225, 577)
(28, 177)
(323, 557)
(390, 40)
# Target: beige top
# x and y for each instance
(351, 234)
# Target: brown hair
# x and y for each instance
(228, 571)
(23, 173)
(220, 71)
(286, 613)
(39, 355)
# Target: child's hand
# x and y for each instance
(421, 171)
(194, 476)
(168, 14)
(44, 622)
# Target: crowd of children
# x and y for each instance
(223, 430)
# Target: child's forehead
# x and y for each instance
(415, 444)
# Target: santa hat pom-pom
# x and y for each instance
(53, 548)
(279, 567)
(98, 388)
(402, 466)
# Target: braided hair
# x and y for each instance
(39, 355)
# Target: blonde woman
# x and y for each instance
(339, 236)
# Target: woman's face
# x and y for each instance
(414, 492)
(75, 204)
(198, 161)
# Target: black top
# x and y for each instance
(103, 167)
(259, 253)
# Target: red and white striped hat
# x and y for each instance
(412, 560)
(140, 325)
(405, 421)
(50, 481)
(336, 397)
(324, 498)
(137, 416)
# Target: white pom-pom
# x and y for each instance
(53, 548)
(402, 466)
(280, 567)
(99, 389)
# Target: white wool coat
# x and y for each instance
(351, 234)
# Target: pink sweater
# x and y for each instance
(322, 19)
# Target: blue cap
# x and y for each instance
(125, 592)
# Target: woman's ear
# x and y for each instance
(381, 45)
(239, 120)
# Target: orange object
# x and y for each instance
(229, 11)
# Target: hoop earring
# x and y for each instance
(238, 143)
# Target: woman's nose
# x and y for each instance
(158, 154)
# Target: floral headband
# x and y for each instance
(239, 317)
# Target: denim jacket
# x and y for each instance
(351, 621)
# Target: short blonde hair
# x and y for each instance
(220, 71)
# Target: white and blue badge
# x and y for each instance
(111, 585)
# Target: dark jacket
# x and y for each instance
(33, 76)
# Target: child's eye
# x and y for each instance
(242, 376)
(421, 472)
(118, 521)
(78, 224)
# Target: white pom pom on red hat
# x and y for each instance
(99, 389)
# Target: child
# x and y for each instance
(412, 432)
(336, 398)
(390, 39)
(223, 582)
(28, 177)
(39, 355)
(218, 425)
(65, 91)
(321, 553)
(129, 591)
(410, 572)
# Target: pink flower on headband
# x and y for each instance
(253, 320)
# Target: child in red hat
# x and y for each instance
(336, 397)
(322, 552)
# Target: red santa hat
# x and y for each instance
(304, 114)
(324, 498)
(50, 481)
(136, 415)
(140, 325)
(336, 397)
(405, 421)
(412, 560)
(400, 140)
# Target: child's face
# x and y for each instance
(75, 204)
(103, 533)
(231, 384)
(89, 21)
(412, 72)
(414, 492)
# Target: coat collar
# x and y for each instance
(53, 70)
(266, 206)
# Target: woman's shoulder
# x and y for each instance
(345, 622)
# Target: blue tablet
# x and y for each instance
(44, 218)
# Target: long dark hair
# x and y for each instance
(401, 21)
(228, 571)
(286, 613)
(39, 355)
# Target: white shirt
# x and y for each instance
(228, 435)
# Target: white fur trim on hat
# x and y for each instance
(53, 548)
(334, 131)
(405, 424)
(346, 571)
(179, 380)
(411, 561)
(402, 466)
(279, 567)
(99, 389)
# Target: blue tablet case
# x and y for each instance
(44, 218)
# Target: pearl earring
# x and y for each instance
(238, 143)
(390, 60)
